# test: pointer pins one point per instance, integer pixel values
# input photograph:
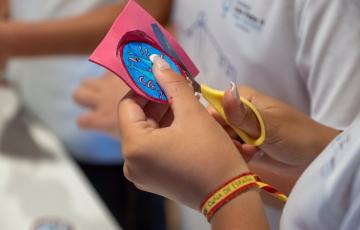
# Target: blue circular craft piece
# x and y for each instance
(136, 58)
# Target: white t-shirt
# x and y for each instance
(46, 84)
(327, 196)
(303, 52)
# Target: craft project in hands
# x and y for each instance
(126, 50)
(127, 47)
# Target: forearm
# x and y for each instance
(243, 212)
(76, 35)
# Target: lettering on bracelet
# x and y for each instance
(231, 189)
(227, 191)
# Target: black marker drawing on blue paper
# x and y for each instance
(136, 57)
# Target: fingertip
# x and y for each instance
(239, 115)
(77, 95)
(82, 121)
(163, 72)
(247, 151)
(250, 150)
(159, 65)
(152, 57)
(211, 110)
(173, 84)
(90, 82)
(159, 62)
(181, 97)
(85, 97)
(233, 109)
(229, 101)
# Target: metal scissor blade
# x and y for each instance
(166, 46)
(164, 43)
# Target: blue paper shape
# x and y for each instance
(136, 59)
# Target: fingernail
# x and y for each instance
(159, 63)
(234, 91)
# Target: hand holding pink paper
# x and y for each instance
(127, 48)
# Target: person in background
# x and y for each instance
(4, 13)
(45, 45)
(304, 53)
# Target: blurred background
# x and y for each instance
(54, 175)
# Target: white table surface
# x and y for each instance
(39, 182)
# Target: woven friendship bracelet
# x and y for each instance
(233, 188)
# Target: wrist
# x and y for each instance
(234, 187)
(310, 140)
(213, 183)
(319, 139)
(243, 212)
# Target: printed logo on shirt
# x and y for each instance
(200, 33)
(245, 15)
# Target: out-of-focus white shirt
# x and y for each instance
(46, 84)
(327, 194)
(303, 52)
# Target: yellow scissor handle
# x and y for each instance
(214, 97)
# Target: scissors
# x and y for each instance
(212, 96)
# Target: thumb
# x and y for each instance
(180, 95)
(238, 114)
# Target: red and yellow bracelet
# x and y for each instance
(233, 188)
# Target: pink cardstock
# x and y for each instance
(133, 18)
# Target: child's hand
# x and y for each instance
(100, 95)
(293, 140)
(184, 161)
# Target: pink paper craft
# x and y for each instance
(133, 18)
